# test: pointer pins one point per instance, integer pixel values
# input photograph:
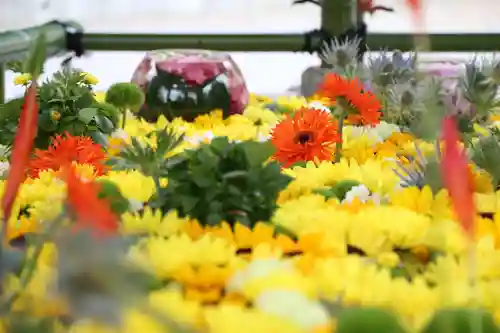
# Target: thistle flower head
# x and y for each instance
(386, 69)
(340, 55)
(479, 86)
(421, 171)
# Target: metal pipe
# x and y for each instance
(2, 83)
(147, 42)
(337, 16)
(15, 44)
(279, 42)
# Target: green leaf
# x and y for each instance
(87, 115)
(104, 124)
(339, 190)
(111, 192)
(235, 174)
(213, 219)
(460, 320)
(99, 138)
(23, 323)
(46, 123)
(357, 320)
(188, 203)
(300, 164)
(257, 152)
(36, 58)
(432, 175)
(344, 186)
(12, 260)
(68, 119)
(220, 144)
(75, 128)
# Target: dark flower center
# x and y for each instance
(304, 137)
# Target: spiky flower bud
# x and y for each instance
(386, 70)
(339, 55)
(478, 87)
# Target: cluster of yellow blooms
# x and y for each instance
(224, 281)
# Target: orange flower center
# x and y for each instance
(304, 137)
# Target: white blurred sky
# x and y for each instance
(270, 73)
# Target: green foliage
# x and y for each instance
(224, 181)
(479, 87)
(485, 153)
(99, 284)
(67, 104)
(12, 260)
(370, 320)
(462, 321)
(339, 190)
(110, 191)
(9, 117)
(150, 160)
(125, 96)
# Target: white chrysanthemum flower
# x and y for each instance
(119, 134)
(385, 130)
(368, 132)
(293, 306)
(198, 139)
(4, 167)
(256, 269)
(135, 205)
(363, 194)
(319, 106)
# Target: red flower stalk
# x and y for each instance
(416, 8)
(455, 172)
(367, 6)
(22, 148)
(88, 209)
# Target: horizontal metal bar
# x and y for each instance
(278, 42)
(147, 42)
(15, 44)
(439, 42)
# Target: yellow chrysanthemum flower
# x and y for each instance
(89, 78)
(22, 79)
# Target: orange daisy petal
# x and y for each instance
(310, 135)
(64, 150)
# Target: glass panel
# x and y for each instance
(195, 16)
(268, 73)
(441, 16)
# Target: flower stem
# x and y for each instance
(475, 320)
(340, 129)
(31, 264)
(156, 180)
(124, 117)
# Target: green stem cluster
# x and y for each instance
(342, 112)
(31, 264)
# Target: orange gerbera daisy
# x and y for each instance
(88, 209)
(364, 107)
(308, 135)
(64, 150)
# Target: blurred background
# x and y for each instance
(266, 73)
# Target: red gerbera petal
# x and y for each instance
(308, 135)
(89, 211)
(364, 103)
(64, 150)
